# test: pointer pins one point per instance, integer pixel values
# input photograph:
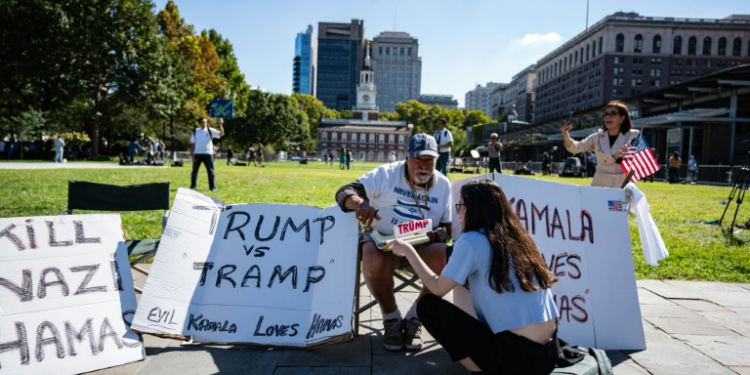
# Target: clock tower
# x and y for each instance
(366, 108)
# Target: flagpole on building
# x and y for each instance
(587, 14)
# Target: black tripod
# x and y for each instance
(741, 184)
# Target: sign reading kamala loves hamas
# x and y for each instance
(266, 274)
(586, 245)
(66, 295)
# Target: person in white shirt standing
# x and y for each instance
(444, 139)
(202, 150)
(59, 146)
(392, 157)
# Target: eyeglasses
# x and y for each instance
(458, 206)
(610, 114)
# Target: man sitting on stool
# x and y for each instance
(392, 194)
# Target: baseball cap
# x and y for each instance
(422, 144)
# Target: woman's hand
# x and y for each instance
(401, 248)
(621, 152)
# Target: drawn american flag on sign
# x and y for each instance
(615, 206)
(640, 159)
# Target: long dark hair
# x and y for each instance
(622, 108)
(487, 208)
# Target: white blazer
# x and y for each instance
(608, 172)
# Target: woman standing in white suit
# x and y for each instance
(610, 144)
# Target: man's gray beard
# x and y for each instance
(422, 178)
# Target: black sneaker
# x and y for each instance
(412, 334)
(393, 336)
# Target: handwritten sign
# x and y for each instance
(266, 274)
(413, 227)
(66, 295)
(586, 245)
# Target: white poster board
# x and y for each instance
(66, 295)
(265, 274)
(582, 232)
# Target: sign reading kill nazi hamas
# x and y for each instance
(582, 232)
(265, 274)
(66, 295)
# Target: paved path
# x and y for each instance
(695, 328)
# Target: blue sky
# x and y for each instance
(461, 42)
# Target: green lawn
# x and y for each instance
(697, 251)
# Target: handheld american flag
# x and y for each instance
(640, 159)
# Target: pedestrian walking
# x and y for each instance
(444, 139)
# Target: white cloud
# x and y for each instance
(540, 38)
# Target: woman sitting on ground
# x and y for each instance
(515, 331)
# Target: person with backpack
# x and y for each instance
(202, 150)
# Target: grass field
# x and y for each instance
(697, 251)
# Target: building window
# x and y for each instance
(692, 45)
(402, 51)
(655, 83)
(581, 55)
(387, 50)
(723, 47)
(372, 138)
(343, 137)
(576, 59)
(737, 47)
(381, 138)
(401, 139)
(354, 137)
(637, 60)
(619, 70)
(593, 50)
(409, 51)
(620, 43)
(390, 138)
(636, 82)
(587, 52)
(380, 51)
(656, 48)
(677, 48)
(600, 44)
(707, 46)
(324, 136)
(638, 44)
(334, 137)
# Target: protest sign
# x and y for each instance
(265, 274)
(582, 232)
(66, 295)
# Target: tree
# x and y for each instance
(476, 117)
(199, 55)
(236, 88)
(346, 114)
(315, 110)
(270, 119)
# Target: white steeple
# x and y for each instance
(366, 91)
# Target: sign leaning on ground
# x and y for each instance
(265, 274)
(582, 232)
(66, 295)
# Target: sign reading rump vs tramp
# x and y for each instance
(267, 274)
(66, 295)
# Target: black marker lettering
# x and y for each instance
(323, 228)
(22, 344)
(25, 292)
(107, 331)
(314, 279)
(282, 277)
(237, 228)
(71, 334)
(41, 342)
(30, 233)
(12, 237)
(81, 237)
(305, 224)
(53, 242)
(43, 284)
(249, 275)
(273, 233)
(82, 289)
(225, 276)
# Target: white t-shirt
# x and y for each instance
(203, 144)
(390, 192)
(443, 137)
(391, 158)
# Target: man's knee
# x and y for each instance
(376, 263)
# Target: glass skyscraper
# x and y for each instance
(398, 68)
(303, 79)
(340, 58)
